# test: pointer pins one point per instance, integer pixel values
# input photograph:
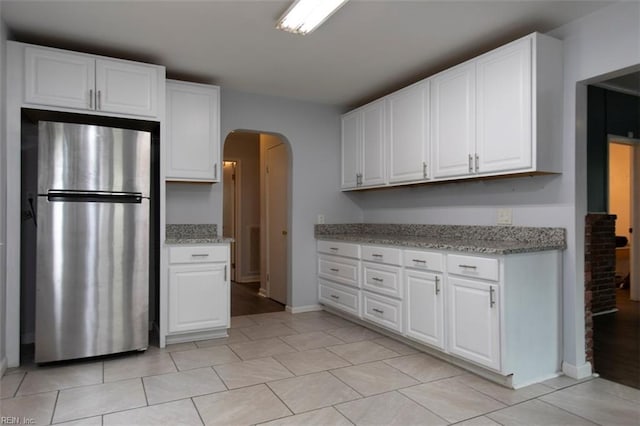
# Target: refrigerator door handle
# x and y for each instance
(95, 196)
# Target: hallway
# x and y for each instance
(245, 300)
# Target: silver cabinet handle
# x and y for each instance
(333, 296)
(99, 100)
(333, 248)
(437, 286)
(468, 266)
(215, 171)
(424, 262)
(379, 311)
(477, 163)
(377, 255)
(424, 169)
(90, 98)
(334, 270)
(492, 300)
(470, 164)
(225, 272)
(378, 280)
(200, 255)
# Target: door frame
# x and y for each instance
(237, 216)
(634, 222)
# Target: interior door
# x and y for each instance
(277, 198)
(635, 225)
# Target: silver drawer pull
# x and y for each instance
(200, 255)
(419, 261)
(468, 266)
(492, 300)
(437, 286)
(379, 311)
(334, 270)
(333, 248)
(376, 255)
(333, 296)
(376, 279)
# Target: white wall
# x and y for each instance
(313, 134)
(3, 203)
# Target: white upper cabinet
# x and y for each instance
(453, 121)
(407, 126)
(193, 132)
(363, 147)
(499, 113)
(58, 78)
(78, 81)
(504, 120)
(126, 88)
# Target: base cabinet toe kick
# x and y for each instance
(497, 315)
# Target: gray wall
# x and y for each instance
(313, 134)
(3, 193)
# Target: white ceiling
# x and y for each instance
(367, 49)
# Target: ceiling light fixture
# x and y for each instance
(305, 16)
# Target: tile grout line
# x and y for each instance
(144, 391)
(565, 410)
(197, 411)
(15, 392)
(55, 406)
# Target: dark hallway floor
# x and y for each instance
(245, 300)
(616, 342)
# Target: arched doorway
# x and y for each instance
(256, 213)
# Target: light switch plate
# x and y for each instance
(505, 216)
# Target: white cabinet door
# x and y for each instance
(198, 297)
(453, 126)
(193, 134)
(373, 145)
(474, 321)
(59, 79)
(504, 108)
(424, 303)
(408, 137)
(126, 88)
(351, 134)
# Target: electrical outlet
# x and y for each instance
(320, 219)
(505, 216)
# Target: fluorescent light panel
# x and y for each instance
(306, 15)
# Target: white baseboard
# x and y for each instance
(3, 366)
(577, 372)
(301, 309)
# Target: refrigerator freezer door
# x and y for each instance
(79, 157)
(92, 278)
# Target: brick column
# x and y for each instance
(600, 271)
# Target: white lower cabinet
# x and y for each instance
(500, 314)
(198, 296)
(474, 321)
(339, 296)
(424, 302)
(382, 310)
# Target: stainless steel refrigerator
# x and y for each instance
(92, 276)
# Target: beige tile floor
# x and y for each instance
(305, 369)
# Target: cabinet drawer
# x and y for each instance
(382, 310)
(472, 266)
(382, 279)
(340, 297)
(390, 255)
(423, 260)
(339, 249)
(340, 269)
(198, 254)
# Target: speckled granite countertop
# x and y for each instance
(475, 239)
(194, 234)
